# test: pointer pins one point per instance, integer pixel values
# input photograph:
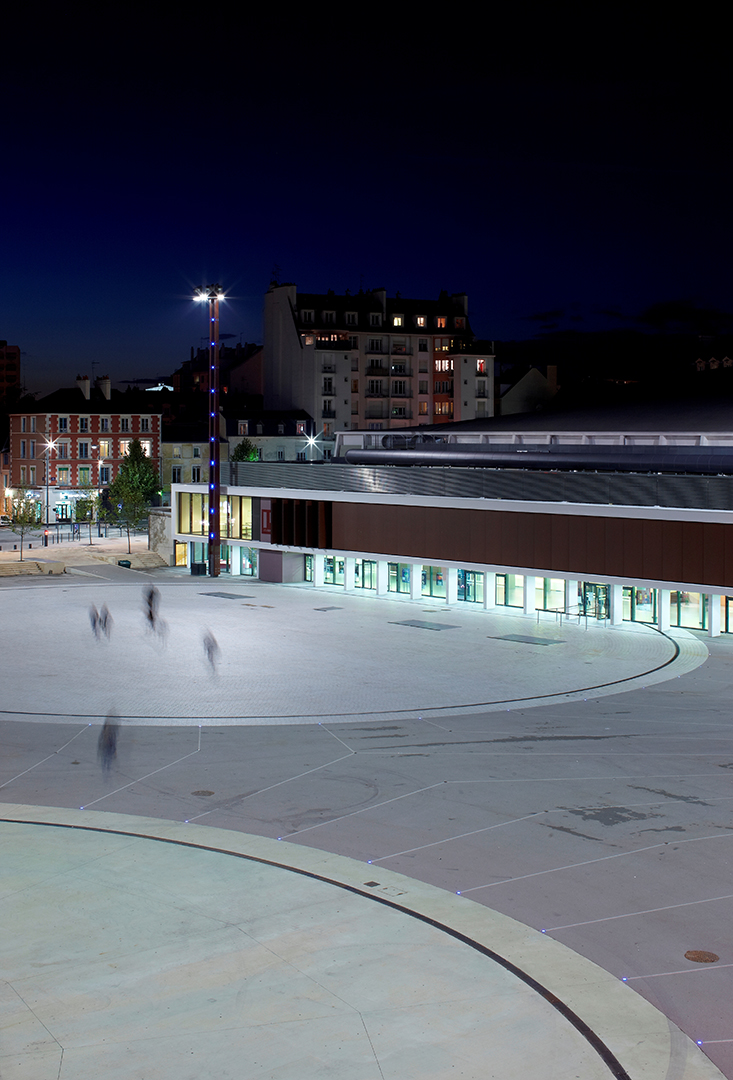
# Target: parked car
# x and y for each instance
(5, 520)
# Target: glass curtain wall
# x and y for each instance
(471, 586)
(398, 577)
(433, 581)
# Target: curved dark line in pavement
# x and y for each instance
(372, 712)
(607, 1056)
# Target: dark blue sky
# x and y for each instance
(561, 183)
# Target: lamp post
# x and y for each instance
(50, 444)
(213, 294)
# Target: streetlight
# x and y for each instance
(50, 445)
(213, 294)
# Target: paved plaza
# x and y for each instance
(362, 838)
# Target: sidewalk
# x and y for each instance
(72, 553)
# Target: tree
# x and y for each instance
(132, 491)
(245, 451)
(24, 516)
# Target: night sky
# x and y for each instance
(567, 177)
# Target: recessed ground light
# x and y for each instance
(700, 956)
(202, 792)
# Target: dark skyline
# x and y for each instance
(561, 189)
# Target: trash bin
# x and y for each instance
(198, 569)
(124, 562)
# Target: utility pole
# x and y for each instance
(213, 295)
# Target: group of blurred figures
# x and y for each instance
(102, 622)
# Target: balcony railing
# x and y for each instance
(328, 414)
(377, 369)
(376, 394)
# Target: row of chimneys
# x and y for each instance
(103, 383)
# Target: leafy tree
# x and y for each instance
(24, 516)
(132, 491)
(245, 451)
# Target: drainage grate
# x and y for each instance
(328, 609)
(229, 595)
(421, 625)
(524, 640)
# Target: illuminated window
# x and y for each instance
(460, 324)
(125, 447)
(63, 475)
(300, 427)
(243, 427)
(176, 451)
(147, 447)
(105, 448)
(480, 367)
(423, 408)
(397, 321)
(84, 479)
(420, 320)
(440, 322)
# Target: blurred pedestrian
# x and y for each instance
(211, 650)
(94, 620)
(152, 602)
(105, 621)
(107, 746)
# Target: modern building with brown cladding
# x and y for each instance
(643, 532)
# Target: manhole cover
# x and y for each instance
(422, 625)
(699, 956)
(202, 792)
(229, 595)
(524, 639)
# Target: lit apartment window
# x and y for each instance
(124, 447)
(423, 408)
(420, 320)
(144, 423)
(63, 475)
(104, 423)
(397, 320)
(243, 427)
(480, 367)
(442, 344)
(105, 448)
(300, 427)
(308, 339)
(84, 473)
(440, 322)
(83, 423)
(147, 447)
(399, 410)
(176, 451)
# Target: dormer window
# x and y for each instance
(375, 319)
(460, 323)
(306, 316)
(329, 317)
(440, 322)
(351, 318)
(420, 320)
(397, 320)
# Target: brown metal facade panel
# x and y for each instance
(595, 546)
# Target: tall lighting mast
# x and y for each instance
(213, 294)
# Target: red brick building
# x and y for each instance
(74, 440)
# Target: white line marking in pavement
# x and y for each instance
(47, 758)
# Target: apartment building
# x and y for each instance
(373, 362)
(75, 439)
